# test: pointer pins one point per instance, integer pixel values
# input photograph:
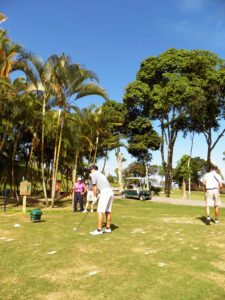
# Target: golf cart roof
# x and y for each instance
(141, 180)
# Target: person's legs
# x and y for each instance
(100, 211)
(80, 198)
(86, 206)
(108, 219)
(207, 210)
(100, 218)
(216, 211)
(75, 202)
(92, 206)
(90, 198)
(104, 205)
(207, 215)
(216, 205)
(209, 202)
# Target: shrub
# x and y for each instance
(156, 190)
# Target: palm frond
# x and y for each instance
(90, 89)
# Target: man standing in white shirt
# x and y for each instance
(101, 184)
(213, 182)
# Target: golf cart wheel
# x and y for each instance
(142, 198)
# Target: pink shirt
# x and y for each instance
(79, 187)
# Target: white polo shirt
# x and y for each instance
(212, 180)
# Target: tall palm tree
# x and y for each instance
(71, 82)
(40, 76)
(58, 82)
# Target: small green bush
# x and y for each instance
(156, 190)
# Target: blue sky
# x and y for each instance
(112, 37)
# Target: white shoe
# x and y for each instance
(92, 210)
(107, 230)
(216, 221)
(84, 211)
(96, 232)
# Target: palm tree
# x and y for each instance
(11, 55)
(81, 131)
(12, 58)
(57, 82)
(97, 130)
(40, 83)
(71, 82)
(16, 122)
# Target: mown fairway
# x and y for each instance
(155, 251)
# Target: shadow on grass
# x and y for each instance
(39, 221)
(113, 226)
(204, 220)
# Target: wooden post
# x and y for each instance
(24, 204)
(25, 190)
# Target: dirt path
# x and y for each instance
(160, 199)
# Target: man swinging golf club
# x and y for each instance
(101, 184)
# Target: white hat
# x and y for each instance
(79, 178)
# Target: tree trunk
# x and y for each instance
(146, 175)
(162, 146)
(188, 165)
(29, 164)
(96, 148)
(209, 149)
(119, 157)
(104, 164)
(74, 170)
(42, 153)
(184, 195)
(67, 181)
(57, 163)
(4, 138)
(53, 183)
(13, 184)
(169, 166)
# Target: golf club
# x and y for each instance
(81, 222)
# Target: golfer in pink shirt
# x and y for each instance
(79, 189)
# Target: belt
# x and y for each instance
(212, 189)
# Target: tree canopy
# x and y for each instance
(170, 88)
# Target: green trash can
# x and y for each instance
(35, 214)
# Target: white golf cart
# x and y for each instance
(137, 188)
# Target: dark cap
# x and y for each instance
(93, 167)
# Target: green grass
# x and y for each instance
(156, 251)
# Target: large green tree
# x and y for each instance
(168, 89)
(207, 116)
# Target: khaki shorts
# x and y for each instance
(212, 197)
(105, 201)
